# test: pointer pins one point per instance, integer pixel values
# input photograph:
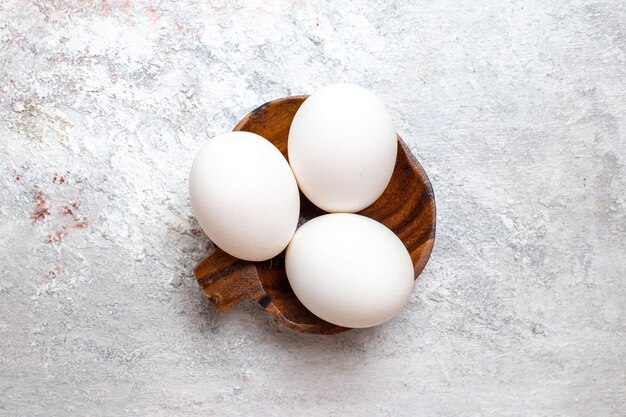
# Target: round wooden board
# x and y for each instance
(407, 207)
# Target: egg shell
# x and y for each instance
(342, 148)
(349, 270)
(244, 195)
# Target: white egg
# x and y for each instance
(349, 270)
(244, 195)
(342, 148)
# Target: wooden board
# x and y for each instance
(407, 207)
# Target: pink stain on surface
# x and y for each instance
(81, 223)
(57, 236)
(42, 206)
(70, 210)
(59, 179)
(78, 222)
(153, 14)
(105, 6)
(63, 231)
(54, 272)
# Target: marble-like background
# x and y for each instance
(516, 109)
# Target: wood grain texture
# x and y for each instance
(407, 207)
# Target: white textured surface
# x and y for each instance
(517, 110)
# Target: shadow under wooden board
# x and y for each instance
(407, 207)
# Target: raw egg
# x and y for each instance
(349, 270)
(342, 148)
(244, 195)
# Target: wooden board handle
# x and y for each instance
(227, 281)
